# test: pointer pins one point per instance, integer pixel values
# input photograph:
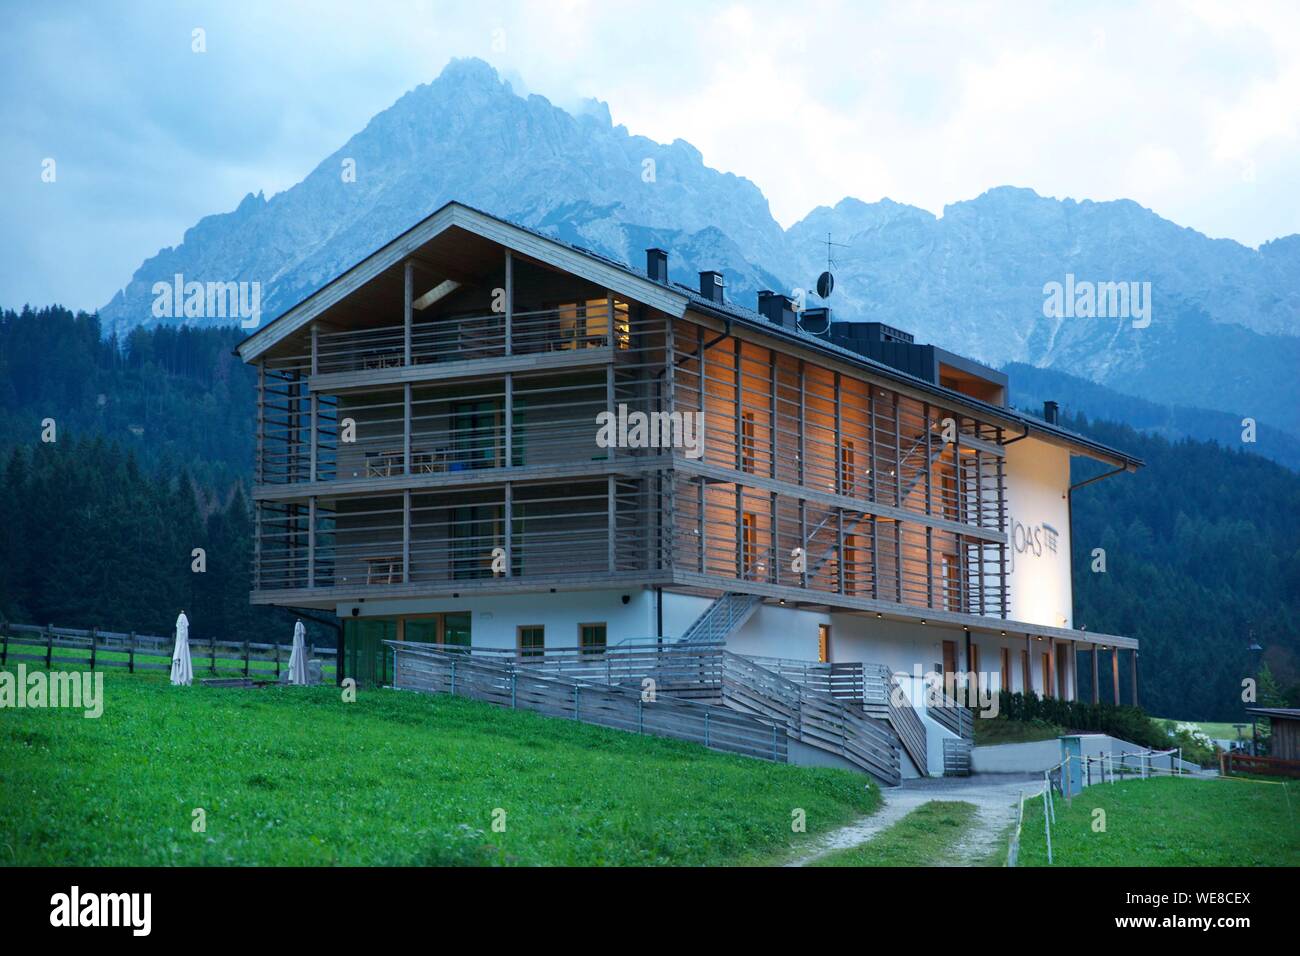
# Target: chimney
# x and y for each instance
(656, 265)
(1051, 412)
(776, 308)
(711, 286)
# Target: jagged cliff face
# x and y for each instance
(1224, 318)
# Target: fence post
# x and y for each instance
(453, 675)
(4, 643)
(245, 657)
(212, 654)
(577, 706)
(130, 653)
(775, 749)
(514, 685)
(49, 645)
(640, 715)
(277, 663)
(93, 633)
(1047, 824)
(706, 728)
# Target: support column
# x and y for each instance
(408, 297)
(1114, 668)
(311, 541)
(1134, 664)
(510, 420)
(609, 403)
(406, 429)
(613, 522)
(510, 302)
(313, 403)
(1050, 689)
(509, 528)
(406, 536)
(1096, 678)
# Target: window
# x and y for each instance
(747, 442)
(1006, 670)
(848, 471)
(824, 643)
(591, 639)
(585, 325)
(1026, 676)
(1047, 676)
(973, 665)
(532, 640)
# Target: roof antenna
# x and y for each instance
(826, 281)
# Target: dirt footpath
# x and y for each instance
(996, 797)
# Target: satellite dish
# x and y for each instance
(825, 284)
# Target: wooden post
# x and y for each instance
(613, 524)
(408, 296)
(4, 643)
(1096, 678)
(49, 645)
(93, 642)
(212, 654)
(130, 653)
(510, 303)
(246, 650)
(1134, 665)
(277, 660)
(1114, 669)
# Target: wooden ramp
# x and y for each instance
(718, 699)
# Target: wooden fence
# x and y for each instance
(1235, 762)
(52, 646)
(504, 681)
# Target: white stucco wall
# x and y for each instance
(494, 618)
(1037, 477)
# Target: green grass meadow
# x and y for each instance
(1170, 821)
(295, 776)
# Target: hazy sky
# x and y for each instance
(1189, 108)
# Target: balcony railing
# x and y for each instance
(555, 531)
(460, 338)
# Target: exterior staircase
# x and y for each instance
(721, 619)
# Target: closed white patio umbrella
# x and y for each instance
(298, 656)
(182, 669)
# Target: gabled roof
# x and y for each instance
(673, 298)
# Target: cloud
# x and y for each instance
(1192, 109)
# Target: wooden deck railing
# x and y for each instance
(811, 716)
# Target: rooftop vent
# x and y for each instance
(1051, 412)
(656, 265)
(711, 286)
(776, 308)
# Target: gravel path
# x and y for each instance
(995, 796)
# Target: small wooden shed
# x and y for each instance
(1284, 743)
